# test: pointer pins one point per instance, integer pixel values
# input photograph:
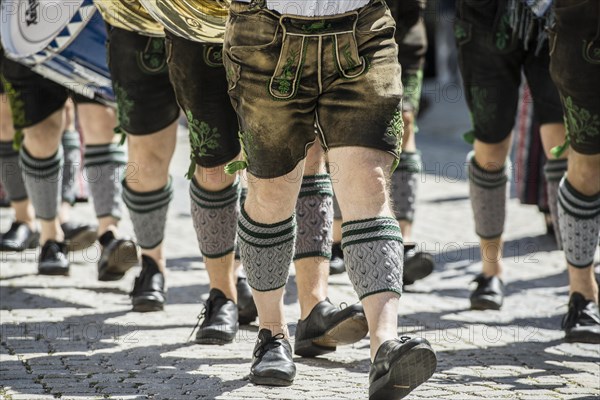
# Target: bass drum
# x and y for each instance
(62, 40)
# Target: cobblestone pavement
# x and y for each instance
(75, 338)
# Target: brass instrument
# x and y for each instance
(198, 20)
(129, 15)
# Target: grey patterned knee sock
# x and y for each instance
(314, 215)
(10, 172)
(103, 170)
(579, 224)
(72, 156)
(374, 255)
(215, 216)
(148, 212)
(554, 171)
(488, 192)
(266, 251)
(405, 180)
(43, 180)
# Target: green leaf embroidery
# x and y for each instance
(124, 104)
(17, 107)
(202, 139)
(482, 109)
(579, 121)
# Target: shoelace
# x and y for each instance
(203, 315)
(269, 344)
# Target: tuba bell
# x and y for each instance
(129, 15)
(197, 20)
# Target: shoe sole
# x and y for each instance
(215, 335)
(120, 261)
(53, 271)
(82, 240)
(483, 304)
(148, 306)
(33, 243)
(213, 341)
(348, 331)
(266, 381)
(582, 338)
(413, 369)
(418, 267)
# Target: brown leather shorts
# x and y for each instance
(287, 74)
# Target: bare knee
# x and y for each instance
(362, 182)
(492, 156)
(583, 173)
(213, 179)
(42, 140)
(97, 123)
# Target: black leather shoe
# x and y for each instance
(400, 366)
(148, 292)
(247, 312)
(53, 259)
(79, 236)
(19, 238)
(272, 362)
(328, 326)
(417, 264)
(489, 293)
(220, 323)
(582, 322)
(336, 263)
(117, 257)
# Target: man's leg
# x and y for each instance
(373, 252)
(37, 106)
(361, 187)
(147, 113)
(322, 326)
(555, 168)
(78, 235)
(579, 191)
(488, 189)
(104, 163)
(23, 231)
(404, 185)
(579, 222)
(198, 77)
(215, 210)
(492, 78)
(41, 162)
(147, 192)
(267, 230)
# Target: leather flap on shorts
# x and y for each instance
(349, 62)
(285, 79)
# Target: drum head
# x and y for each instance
(30, 26)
